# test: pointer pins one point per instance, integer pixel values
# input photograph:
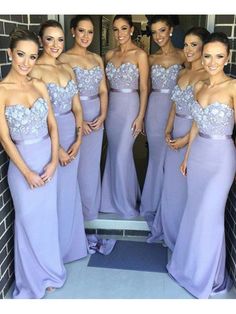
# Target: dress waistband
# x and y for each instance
(185, 116)
(123, 90)
(215, 137)
(61, 113)
(32, 141)
(161, 90)
(84, 97)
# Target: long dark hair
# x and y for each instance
(127, 18)
(198, 31)
(218, 37)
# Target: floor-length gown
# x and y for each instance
(72, 236)
(38, 262)
(198, 259)
(120, 188)
(89, 176)
(159, 105)
(174, 192)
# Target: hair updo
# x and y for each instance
(19, 34)
(78, 18)
(198, 31)
(127, 18)
(218, 37)
(48, 23)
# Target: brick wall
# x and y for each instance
(227, 24)
(7, 24)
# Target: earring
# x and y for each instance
(73, 35)
(226, 63)
(170, 34)
(10, 58)
(131, 34)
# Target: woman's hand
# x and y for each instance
(97, 123)
(168, 139)
(177, 143)
(183, 168)
(73, 150)
(49, 171)
(87, 129)
(64, 157)
(34, 180)
(137, 126)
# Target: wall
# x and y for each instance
(7, 24)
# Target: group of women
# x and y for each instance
(53, 109)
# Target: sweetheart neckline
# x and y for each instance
(29, 108)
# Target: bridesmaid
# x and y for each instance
(91, 82)
(165, 65)
(127, 72)
(174, 191)
(60, 81)
(198, 260)
(28, 133)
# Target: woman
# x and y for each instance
(165, 65)
(60, 81)
(127, 72)
(89, 70)
(198, 260)
(28, 133)
(174, 191)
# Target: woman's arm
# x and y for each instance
(53, 133)
(97, 123)
(143, 87)
(170, 124)
(193, 133)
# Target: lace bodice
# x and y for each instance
(61, 97)
(27, 123)
(216, 119)
(183, 99)
(125, 76)
(164, 77)
(88, 80)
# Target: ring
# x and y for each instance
(48, 180)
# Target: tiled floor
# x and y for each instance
(100, 283)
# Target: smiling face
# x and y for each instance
(214, 57)
(53, 41)
(83, 33)
(24, 56)
(192, 47)
(122, 31)
(161, 33)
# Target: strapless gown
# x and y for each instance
(158, 108)
(198, 259)
(38, 262)
(120, 188)
(72, 236)
(89, 175)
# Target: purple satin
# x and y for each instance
(31, 141)
(56, 114)
(161, 90)
(84, 97)
(97, 244)
(123, 90)
(185, 116)
(215, 137)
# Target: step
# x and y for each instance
(114, 225)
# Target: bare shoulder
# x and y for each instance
(110, 54)
(64, 57)
(141, 53)
(36, 71)
(3, 92)
(39, 84)
(66, 66)
(98, 58)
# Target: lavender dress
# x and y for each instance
(120, 188)
(198, 260)
(174, 191)
(159, 105)
(72, 237)
(88, 82)
(38, 263)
